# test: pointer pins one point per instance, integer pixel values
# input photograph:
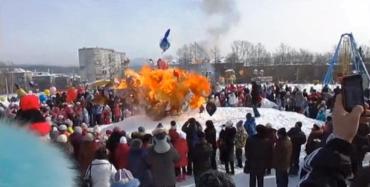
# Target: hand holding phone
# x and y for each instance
(353, 92)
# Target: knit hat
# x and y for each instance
(78, 130)
(62, 138)
(141, 129)
(229, 123)
(29, 102)
(68, 122)
(123, 140)
(62, 128)
(84, 126)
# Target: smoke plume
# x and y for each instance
(222, 15)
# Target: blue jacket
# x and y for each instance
(139, 168)
(250, 127)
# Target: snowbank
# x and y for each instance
(277, 118)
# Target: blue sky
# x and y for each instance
(51, 31)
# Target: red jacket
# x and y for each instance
(182, 148)
(173, 135)
(121, 156)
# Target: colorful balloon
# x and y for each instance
(47, 92)
(53, 90)
(165, 44)
(71, 94)
(42, 98)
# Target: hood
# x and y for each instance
(161, 146)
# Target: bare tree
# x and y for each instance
(259, 55)
(185, 55)
(232, 58)
(283, 55)
(242, 49)
(215, 55)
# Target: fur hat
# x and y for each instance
(62, 128)
(62, 138)
(229, 123)
(158, 131)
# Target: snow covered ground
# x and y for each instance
(277, 118)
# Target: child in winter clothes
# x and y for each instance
(181, 146)
(240, 140)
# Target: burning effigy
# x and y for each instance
(164, 91)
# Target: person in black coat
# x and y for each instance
(201, 157)
(298, 138)
(210, 133)
(192, 128)
(228, 150)
(255, 152)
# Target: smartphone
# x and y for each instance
(353, 92)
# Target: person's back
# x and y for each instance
(256, 148)
(250, 125)
(161, 159)
(137, 164)
(101, 172)
(201, 157)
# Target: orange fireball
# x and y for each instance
(171, 90)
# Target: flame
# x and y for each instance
(163, 91)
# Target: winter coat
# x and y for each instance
(191, 131)
(173, 135)
(255, 152)
(121, 156)
(162, 166)
(297, 136)
(314, 141)
(240, 138)
(101, 172)
(250, 126)
(139, 168)
(282, 153)
(86, 154)
(202, 158)
(228, 141)
(211, 137)
(328, 166)
(76, 140)
(181, 147)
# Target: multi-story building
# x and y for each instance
(100, 63)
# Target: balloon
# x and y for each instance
(42, 98)
(53, 90)
(165, 44)
(47, 92)
(211, 108)
(71, 94)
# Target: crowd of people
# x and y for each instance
(173, 152)
(312, 103)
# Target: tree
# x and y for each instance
(283, 55)
(242, 49)
(185, 55)
(259, 55)
(232, 58)
(215, 55)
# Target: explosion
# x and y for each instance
(163, 92)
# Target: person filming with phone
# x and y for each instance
(330, 165)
